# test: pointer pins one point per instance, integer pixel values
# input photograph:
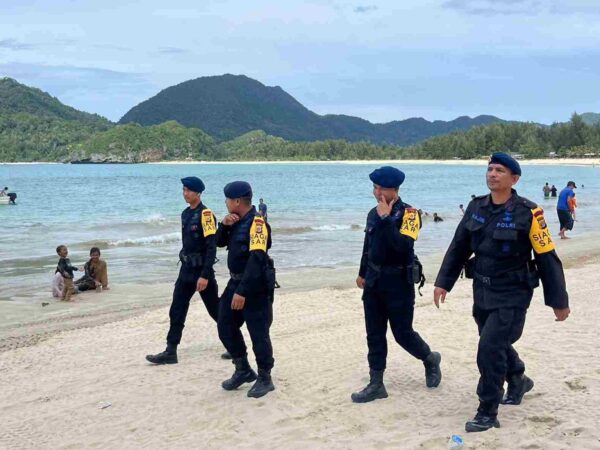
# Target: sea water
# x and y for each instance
(317, 212)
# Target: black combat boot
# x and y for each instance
(243, 374)
(226, 355)
(433, 372)
(481, 422)
(374, 390)
(263, 384)
(518, 385)
(169, 356)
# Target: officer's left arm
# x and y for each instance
(222, 236)
(260, 242)
(548, 264)
(209, 230)
(402, 239)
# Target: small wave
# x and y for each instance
(131, 242)
(301, 230)
(155, 218)
(147, 240)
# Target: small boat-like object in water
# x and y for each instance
(8, 199)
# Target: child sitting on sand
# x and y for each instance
(96, 273)
(65, 268)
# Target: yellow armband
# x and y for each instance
(209, 227)
(411, 223)
(259, 235)
(539, 234)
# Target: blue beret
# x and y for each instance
(507, 161)
(237, 189)
(193, 184)
(387, 177)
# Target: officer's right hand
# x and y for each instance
(201, 284)
(439, 294)
(230, 219)
(561, 314)
(360, 282)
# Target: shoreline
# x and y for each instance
(90, 370)
(459, 162)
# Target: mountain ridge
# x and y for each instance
(227, 106)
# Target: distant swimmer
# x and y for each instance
(546, 189)
(513, 251)
(462, 209)
(553, 191)
(197, 257)
(262, 209)
(437, 218)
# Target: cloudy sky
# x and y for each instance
(535, 60)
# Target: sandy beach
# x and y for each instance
(60, 363)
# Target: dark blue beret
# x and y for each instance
(387, 177)
(237, 189)
(193, 184)
(507, 161)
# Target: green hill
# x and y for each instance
(228, 106)
(19, 98)
(590, 118)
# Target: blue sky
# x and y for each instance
(381, 60)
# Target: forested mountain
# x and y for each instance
(229, 106)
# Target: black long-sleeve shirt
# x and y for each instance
(390, 241)
(503, 237)
(65, 268)
(198, 236)
(247, 242)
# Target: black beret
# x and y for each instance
(507, 161)
(193, 184)
(387, 177)
(237, 189)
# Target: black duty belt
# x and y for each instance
(506, 279)
(236, 276)
(193, 258)
(386, 269)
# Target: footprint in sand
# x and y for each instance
(576, 385)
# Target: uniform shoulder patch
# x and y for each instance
(411, 223)
(209, 227)
(259, 234)
(539, 233)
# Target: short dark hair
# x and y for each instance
(95, 250)
(59, 248)
(246, 200)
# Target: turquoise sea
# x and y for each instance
(317, 212)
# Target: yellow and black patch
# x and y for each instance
(259, 235)
(209, 227)
(539, 233)
(411, 223)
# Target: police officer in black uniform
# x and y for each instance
(502, 229)
(248, 296)
(198, 233)
(386, 275)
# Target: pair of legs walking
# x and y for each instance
(498, 361)
(257, 314)
(397, 308)
(185, 288)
